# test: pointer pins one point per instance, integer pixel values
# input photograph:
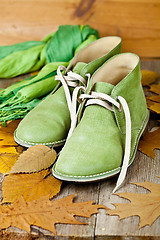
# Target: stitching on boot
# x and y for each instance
(94, 175)
(49, 143)
(142, 126)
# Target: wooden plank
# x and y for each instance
(136, 21)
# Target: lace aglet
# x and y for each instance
(118, 185)
(116, 188)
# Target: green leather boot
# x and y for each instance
(49, 122)
(114, 117)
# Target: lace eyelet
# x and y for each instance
(120, 107)
(80, 100)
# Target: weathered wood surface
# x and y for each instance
(101, 226)
(136, 21)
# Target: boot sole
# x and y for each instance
(31, 144)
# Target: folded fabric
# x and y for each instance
(56, 49)
(30, 56)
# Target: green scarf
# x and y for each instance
(55, 49)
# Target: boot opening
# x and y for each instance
(96, 49)
(116, 69)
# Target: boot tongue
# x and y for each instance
(103, 87)
(78, 67)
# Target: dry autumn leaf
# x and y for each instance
(45, 213)
(150, 141)
(155, 98)
(11, 127)
(7, 160)
(34, 159)
(153, 102)
(30, 186)
(146, 206)
(155, 107)
(9, 149)
(7, 139)
(148, 77)
(149, 102)
(155, 88)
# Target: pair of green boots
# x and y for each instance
(99, 107)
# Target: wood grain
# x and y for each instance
(102, 226)
(136, 21)
(142, 169)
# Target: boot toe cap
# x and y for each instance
(88, 165)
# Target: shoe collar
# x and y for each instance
(126, 68)
(96, 53)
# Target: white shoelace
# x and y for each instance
(99, 99)
(70, 80)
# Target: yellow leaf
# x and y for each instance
(146, 206)
(148, 77)
(153, 103)
(11, 127)
(6, 139)
(149, 102)
(34, 159)
(8, 149)
(155, 98)
(7, 161)
(155, 88)
(150, 141)
(30, 186)
(7, 143)
(45, 213)
(155, 107)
